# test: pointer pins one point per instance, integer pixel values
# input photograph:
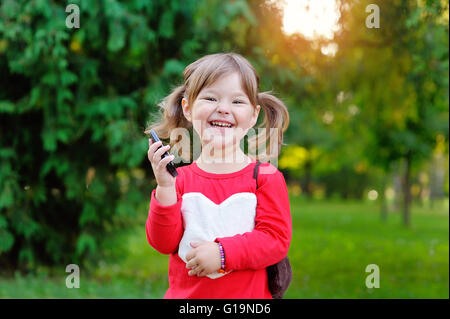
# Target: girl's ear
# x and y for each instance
(255, 115)
(186, 109)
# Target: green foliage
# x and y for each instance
(73, 106)
(399, 79)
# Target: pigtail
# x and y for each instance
(170, 115)
(276, 122)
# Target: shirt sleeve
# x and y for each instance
(164, 226)
(269, 241)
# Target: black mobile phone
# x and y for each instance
(170, 166)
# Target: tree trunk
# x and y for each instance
(437, 179)
(397, 181)
(407, 191)
(384, 207)
(306, 185)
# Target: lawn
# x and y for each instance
(332, 243)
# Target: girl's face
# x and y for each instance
(224, 101)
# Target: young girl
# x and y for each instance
(220, 229)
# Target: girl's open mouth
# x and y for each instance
(220, 126)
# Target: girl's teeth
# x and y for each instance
(220, 124)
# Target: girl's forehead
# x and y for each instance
(214, 89)
(232, 82)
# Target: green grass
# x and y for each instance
(332, 244)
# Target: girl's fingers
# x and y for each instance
(195, 268)
(154, 146)
(201, 273)
(192, 272)
(152, 149)
(163, 163)
(191, 264)
(160, 152)
(194, 244)
(197, 271)
(190, 255)
(156, 156)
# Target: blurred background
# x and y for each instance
(366, 160)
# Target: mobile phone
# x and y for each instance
(170, 166)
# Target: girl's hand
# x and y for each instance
(203, 259)
(162, 175)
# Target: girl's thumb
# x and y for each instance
(193, 244)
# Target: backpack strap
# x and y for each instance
(255, 172)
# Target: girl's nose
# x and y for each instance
(223, 108)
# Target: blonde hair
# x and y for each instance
(204, 72)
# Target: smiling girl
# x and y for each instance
(220, 227)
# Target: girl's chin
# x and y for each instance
(217, 140)
(219, 132)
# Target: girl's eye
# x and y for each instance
(210, 98)
(237, 101)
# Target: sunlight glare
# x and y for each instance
(312, 18)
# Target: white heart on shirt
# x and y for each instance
(204, 220)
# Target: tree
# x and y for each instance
(398, 75)
(73, 106)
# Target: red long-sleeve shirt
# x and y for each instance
(253, 226)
